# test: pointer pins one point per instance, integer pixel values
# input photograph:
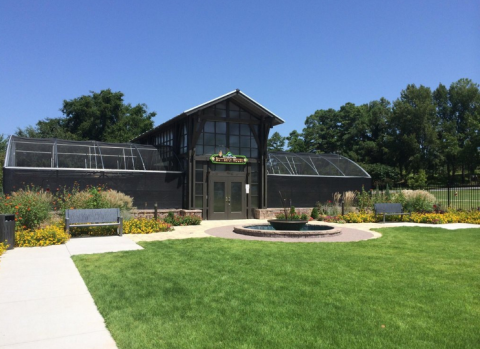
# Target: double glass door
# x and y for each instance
(226, 197)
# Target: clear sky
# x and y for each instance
(293, 57)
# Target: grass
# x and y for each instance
(413, 288)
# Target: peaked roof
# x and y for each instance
(238, 96)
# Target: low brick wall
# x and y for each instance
(271, 213)
(163, 213)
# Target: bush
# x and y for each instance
(50, 235)
(3, 247)
(31, 207)
(415, 200)
(175, 220)
(315, 213)
(382, 174)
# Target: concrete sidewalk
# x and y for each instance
(44, 302)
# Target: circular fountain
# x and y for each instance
(307, 231)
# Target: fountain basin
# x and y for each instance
(283, 224)
(308, 231)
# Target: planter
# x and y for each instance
(295, 225)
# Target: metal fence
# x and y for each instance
(456, 196)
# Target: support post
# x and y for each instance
(155, 211)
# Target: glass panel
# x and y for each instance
(236, 197)
(198, 201)
(254, 200)
(209, 126)
(199, 189)
(244, 116)
(234, 141)
(234, 114)
(199, 176)
(234, 128)
(209, 111)
(244, 130)
(233, 106)
(221, 127)
(235, 150)
(221, 140)
(209, 139)
(254, 153)
(208, 149)
(254, 177)
(254, 189)
(218, 196)
(199, 149)
(245, 142)
(221, 113)
(221, 105)
(253, 142)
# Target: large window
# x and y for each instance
(228, 135)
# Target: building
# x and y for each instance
(212, 157)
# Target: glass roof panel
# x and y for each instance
(310, 164)
(89, 155)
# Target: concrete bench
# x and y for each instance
(390, 210)
(94, 217)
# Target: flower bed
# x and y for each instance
(50, 235)
(472, 217)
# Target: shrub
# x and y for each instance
(415, 200)
(174, 220)
(364, 200)
(314, 213)
(31, 207)
(50, 235)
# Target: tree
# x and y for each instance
(413, 129)
(101, 116)
(296, 143)
(276, 142)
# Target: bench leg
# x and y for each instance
(120, 227)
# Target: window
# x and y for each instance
(228, 135)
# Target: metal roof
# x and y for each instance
(238, 96)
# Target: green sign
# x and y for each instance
(228, 159)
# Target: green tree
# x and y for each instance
(413, 131)
(276, 142)
(296, 143)
(101, 116)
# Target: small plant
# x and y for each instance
(145, 226)
(314, 213)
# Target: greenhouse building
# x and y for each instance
(211, 158)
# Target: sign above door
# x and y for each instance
(228, 159)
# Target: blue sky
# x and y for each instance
(294, 57)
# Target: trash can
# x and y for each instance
(7, 229)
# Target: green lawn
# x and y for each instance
(412, 288)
